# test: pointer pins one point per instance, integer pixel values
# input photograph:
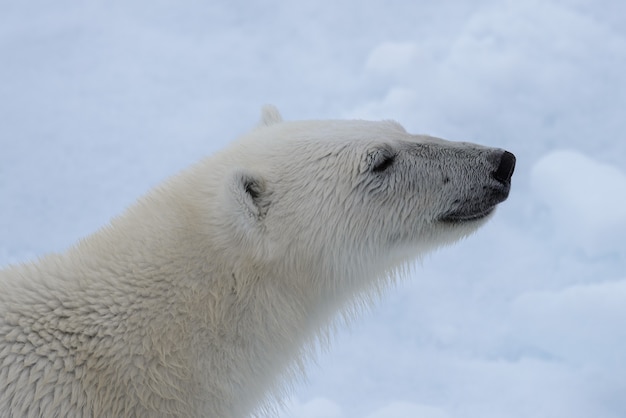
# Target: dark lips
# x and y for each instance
(456, 217)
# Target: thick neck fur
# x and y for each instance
(178, 322)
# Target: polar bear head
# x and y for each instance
(339, 204)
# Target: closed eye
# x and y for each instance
(383, 162)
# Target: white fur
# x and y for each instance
(204, 297)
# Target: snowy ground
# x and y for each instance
(101, 100)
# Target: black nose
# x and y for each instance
(506, 167)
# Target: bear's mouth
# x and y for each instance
(463, 216)
(478, 207)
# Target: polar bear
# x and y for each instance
(204, 297)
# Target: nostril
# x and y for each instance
(505, 168)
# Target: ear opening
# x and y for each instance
(250, 196)
(270, 116)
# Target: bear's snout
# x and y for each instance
(484, 194)
(505, 168)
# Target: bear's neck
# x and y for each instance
(260, 335)
(241, 331)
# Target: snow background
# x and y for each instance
(101, 100)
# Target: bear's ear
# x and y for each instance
(245, 204)
(249, 196)
(270, 116)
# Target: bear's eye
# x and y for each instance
(382, 161)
